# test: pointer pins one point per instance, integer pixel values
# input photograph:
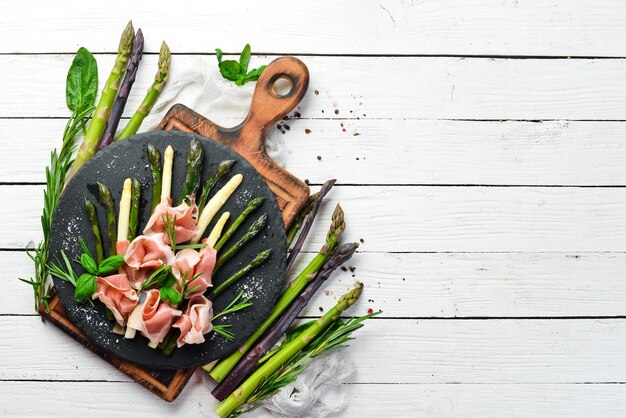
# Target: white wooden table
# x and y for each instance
(486, 180)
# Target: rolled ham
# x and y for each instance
(195, 322)
(186, 217)
(144, 255)
(192, 263)
(153, 318)
(116, 294)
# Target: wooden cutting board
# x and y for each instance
(248, 138)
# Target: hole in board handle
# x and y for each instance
(282, 86)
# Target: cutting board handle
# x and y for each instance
(268, 106)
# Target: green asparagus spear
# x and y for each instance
(257, 261)
(154, 157)
(220, 171)
(294, 288)
(93, 219)
(288, 351)
(134, 210)
(151, 97)
(98, 122)
(195, 157)
(251, 207)
(107, 201)
(254, 229)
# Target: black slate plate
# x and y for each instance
(128, 159)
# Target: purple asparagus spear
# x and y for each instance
(309, 221)
(340, 256)
(123, 92)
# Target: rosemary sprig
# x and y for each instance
(170, 230)
(234, 306)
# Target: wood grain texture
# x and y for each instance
(429, 151)
(561, 27)
(405, 87)
(387, 351)
(403, 401)
(451, 285)
(248, 138)
(427, 219)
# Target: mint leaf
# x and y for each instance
(82, 82)
(244, 59)
(230, 70)
(218, 54)
(89, 263)
(85, 287)
(110, 265)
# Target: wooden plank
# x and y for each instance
(430, 151)
(406, 87)
(440, 285)
(371, 400)
(427, 219)
(388, 351)
(349, 27)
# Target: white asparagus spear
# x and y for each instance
(124, 214)
(166, 178)
(216, 232)
(134, 321)
(215, 204)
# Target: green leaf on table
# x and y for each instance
(85, 287)
(237, 71)
(110, 265)
(88, 263)
(244, 58)
(82, 81)
(230, 70)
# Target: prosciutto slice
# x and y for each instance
(186, 217)
(192, 263)
(144, 255)
(195, 322)
(117, 295)
(155, 317)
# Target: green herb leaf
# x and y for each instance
(85, 287)
(89, 263)
(110, 265)
(244, 59)
(230, 70)
(174, 296)
(82, 81)
(237, 71)
(254, 75)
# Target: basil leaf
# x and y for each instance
(254, 75)
(174, 296)
(244, 59)
(82, 81)
(89, 263)
(163, 294)
(110, 265)
(85, 287)
(230, 70)
(218, 54)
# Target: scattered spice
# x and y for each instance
(356, 134)
(317, 92)
(321, 309)
(343, 268)
(286, 117)
(357, 158)
(352, 269)
(319, 158)
(362, 240)
(297, 115)
(307, 131)
(327, 292)
(306, 181)
(370, 311)
(336, 111)
(287, 127)
(279, 126)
